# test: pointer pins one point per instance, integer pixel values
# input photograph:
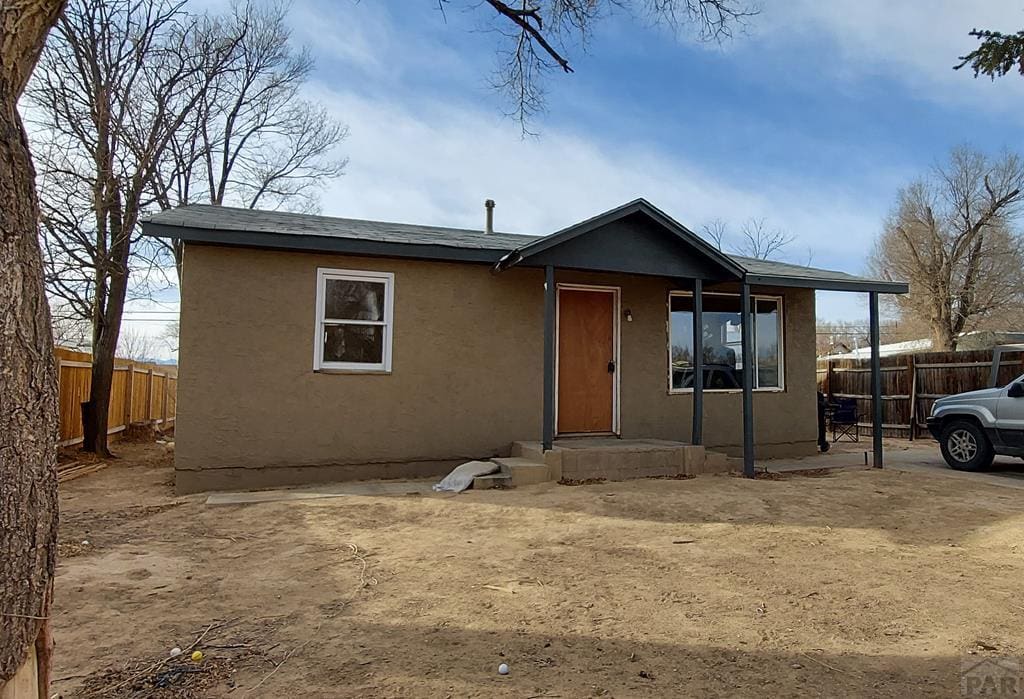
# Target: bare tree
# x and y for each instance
(539, 34)
(70, 329)
(117, 80)
(136, 345)
(761, 242)
(251, 141)
(170, 336)
(28, 377)
(716, 232)
(755, 239)
(952, 237)
(839, 336)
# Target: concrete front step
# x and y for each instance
(533, 451)
(524, 471)
(492, 480)
(718, 462)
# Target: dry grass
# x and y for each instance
(862, 583)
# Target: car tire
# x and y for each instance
(965, 446)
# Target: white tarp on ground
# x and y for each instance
(462, 477)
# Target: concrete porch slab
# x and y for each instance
(585, 458)
(615, 444)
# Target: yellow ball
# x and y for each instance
(197, 656)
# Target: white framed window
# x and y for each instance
(723, 347)
(354, 312)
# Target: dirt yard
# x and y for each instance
(862, 583)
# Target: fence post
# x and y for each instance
(163, 422)
(828, 379)
(912, 368)
(149, 397)
(129, 393)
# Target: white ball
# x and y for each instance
(503, 669)
(175, 652)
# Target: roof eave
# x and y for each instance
(314, 243)
(824, 284)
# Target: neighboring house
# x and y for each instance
(316, 348)
(974, 340)
(837, 348)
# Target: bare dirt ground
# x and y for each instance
(861, 583)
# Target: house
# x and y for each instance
(965, 341)
(316, 348)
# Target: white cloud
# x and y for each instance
(916, 43)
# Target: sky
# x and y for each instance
(811, 118)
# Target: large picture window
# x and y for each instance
(353, 320)
(723, 346)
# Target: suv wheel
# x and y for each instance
(965, 446)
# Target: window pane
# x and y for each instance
(362, 344)
(767, 336)
(348, 299)
(681, 344)
(723, 342)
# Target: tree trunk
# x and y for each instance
(96, 411)
(28, 376)
(28, 407)
(943, 339)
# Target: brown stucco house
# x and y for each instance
(316, 348)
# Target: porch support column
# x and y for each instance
(549, 356)
(876, 381)
(747, 339)
(697, 431)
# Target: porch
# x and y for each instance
(581, 459)
(640, 241)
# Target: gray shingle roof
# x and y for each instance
(227, 218)
(772, 268)
(277, 229)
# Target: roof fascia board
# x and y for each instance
(820, 284)
(309, 243)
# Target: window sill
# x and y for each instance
(358, 372)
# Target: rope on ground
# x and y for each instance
(363, 583)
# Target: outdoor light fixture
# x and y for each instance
(629, 316)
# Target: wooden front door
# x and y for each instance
(586, 360)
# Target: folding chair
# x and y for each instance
(843, 419)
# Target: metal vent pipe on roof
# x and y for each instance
(489, 225)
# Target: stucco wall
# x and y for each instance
(466, 376)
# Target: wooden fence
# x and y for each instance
(911, 383)
(141, 393)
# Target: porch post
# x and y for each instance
(747, 340)
(549, 356)
(697, 431)
(876, 381)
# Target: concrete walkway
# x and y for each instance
(912, 457)
(333, 490)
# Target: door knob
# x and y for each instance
(611, 367)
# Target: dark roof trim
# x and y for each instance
(523, 253)
(821, 284)
(309, 243)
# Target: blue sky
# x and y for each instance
(812, 118)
